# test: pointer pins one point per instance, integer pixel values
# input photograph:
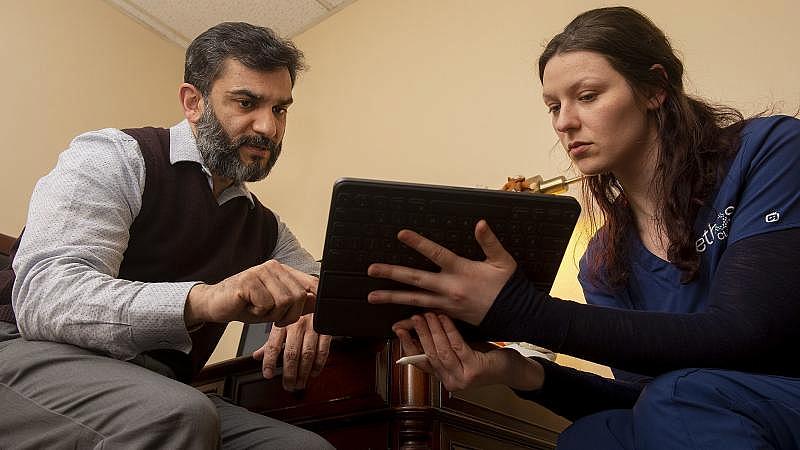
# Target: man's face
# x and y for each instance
(240, 131)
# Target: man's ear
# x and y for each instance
(191, 102)
(659, 95)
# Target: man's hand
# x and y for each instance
(304, 352)
(269, 292)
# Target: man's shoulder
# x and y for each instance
(151, 140)
(146, 131)
(104, 149)
(105, 140)
(119, 135)
(104, 135)
(261, 208)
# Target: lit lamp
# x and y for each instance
(535, 183)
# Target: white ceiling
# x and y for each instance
(180, 21)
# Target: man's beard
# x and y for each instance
(221, 154)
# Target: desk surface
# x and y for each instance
(363, 400)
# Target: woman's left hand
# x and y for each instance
(463, 289)
(459, 366)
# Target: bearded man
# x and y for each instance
(140, 246)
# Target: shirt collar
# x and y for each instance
(183, 147)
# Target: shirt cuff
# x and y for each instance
(550, 373)
(156, 317)
(502, 319)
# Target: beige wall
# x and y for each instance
(69, 67)
(445, 91)
(433, 91)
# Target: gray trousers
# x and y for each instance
(60, 396)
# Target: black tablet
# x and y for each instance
(366, 215)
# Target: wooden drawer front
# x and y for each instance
(347, 385)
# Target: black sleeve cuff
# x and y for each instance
(573, 394)
(510, 314)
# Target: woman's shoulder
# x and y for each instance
(770, 137)
(775, 125)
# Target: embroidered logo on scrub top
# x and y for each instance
(774, 216)
(716, 231)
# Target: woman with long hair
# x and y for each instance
(691, 282)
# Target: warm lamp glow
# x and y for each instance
(566, 287)
(566, 284)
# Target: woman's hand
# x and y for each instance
(457, 365)
(463, 289)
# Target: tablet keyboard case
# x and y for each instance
(363, 222)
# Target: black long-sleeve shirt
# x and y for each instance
(750, 324)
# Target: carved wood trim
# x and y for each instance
(363, 400)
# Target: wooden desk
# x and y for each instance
(362, 400)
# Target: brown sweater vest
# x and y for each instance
(182, 234)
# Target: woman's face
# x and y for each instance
(597, 117)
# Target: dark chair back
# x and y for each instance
(5, 250)
(6, 278)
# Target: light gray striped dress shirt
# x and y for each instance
(76, 233)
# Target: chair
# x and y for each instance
(6, 277)
(5, 250)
